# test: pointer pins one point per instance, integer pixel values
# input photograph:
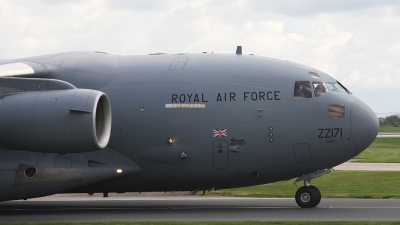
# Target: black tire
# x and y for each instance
(318, 192)
(308, 197)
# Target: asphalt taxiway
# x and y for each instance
(387, 134)
(193, 208)
(368, 166)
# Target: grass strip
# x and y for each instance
(389, 129)
(386, 142)
(339, 184)
(225, 223)
(382, 150)
(379, 155)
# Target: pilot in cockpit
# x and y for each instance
(302, 90)
(319, 90)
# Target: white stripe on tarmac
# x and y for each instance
(369, 166)
(387, 134)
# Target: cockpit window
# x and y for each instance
(319, 88)
(338, 87)
(336, 111)
(302, 89)
(347, 90)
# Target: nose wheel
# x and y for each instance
(308, 197)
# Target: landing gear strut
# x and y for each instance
(309, 196)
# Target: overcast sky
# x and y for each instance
(355, 41)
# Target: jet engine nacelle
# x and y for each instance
(58, 121)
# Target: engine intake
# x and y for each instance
(60, 121)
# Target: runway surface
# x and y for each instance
(387, 134)
(193, 208)
(368, 166)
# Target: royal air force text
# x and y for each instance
(227, 97)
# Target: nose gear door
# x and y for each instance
(302, 152)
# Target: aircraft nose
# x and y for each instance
(364, 125)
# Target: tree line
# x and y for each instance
(393, 120)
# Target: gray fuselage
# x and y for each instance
(233, 120)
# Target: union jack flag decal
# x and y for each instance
(220, 133)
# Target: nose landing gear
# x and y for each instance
(309, 196)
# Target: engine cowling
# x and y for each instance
(60, 121)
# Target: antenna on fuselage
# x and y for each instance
(238, 50)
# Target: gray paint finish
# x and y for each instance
(191, 98)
